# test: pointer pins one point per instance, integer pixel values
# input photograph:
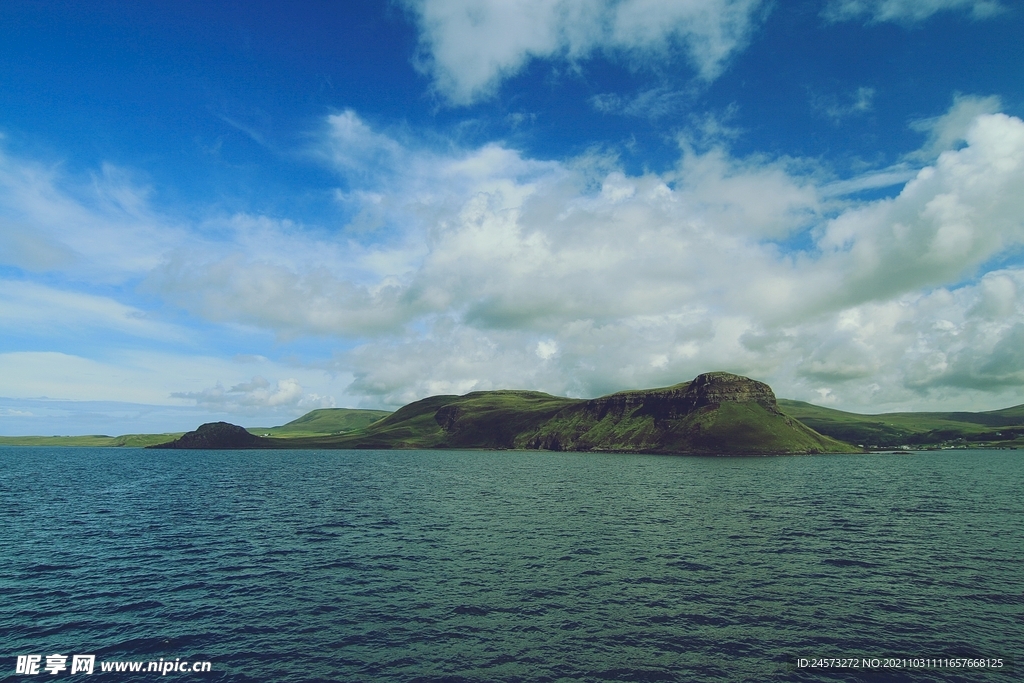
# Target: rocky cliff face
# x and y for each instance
(215, 435)
(447, 416)
(708, 390)
(715, 388)
(716, 412)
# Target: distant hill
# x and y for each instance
(991, 428)
(715, 413)
(91, 440)
(319, 422)
(324, 421)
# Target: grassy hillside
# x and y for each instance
(992, 428)
(740, 417)
(734, 427)
(324, 421)
(668, 420)
(317, 423)
(483, 419)
(94, 441)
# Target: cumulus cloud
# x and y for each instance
(575, 277)
(907, 11)
(292, 301)
(951, 218)
(652, 279)
(937, 343)
(469, 46)
(256, 394)
(948, 131)
(275, 275)
(578, 278)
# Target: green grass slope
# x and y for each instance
(727, 414)
(482, 419)
(635, 425)
(324, 421)
(990, 428)
(93, 441)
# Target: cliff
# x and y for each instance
(717, 412)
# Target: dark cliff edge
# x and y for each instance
(216, 436)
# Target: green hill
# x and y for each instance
(324, 421)
(320, 422)
(715, 413)
(991, 428)
(92, 440)
(482, 419)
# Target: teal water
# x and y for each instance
(511, 566)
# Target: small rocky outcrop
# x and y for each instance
(216, 436)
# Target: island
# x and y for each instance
(717, 413)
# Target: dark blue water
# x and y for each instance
(510, 566)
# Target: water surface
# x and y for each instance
(510, 566)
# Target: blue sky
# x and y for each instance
(247, 210)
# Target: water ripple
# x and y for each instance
(468, 566)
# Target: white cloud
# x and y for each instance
(649, 280)
(907, 11)
(948, 131)
(31, 307)
(275, 275)
(951, 218)
(100, 228)
(502, 271)
(917, 347)
(173, 379)
(290, 300)
(8, 412)
(898, 174)
(257, 394)
(356, 148)
(469, 46)
(655, 103)
(837, 108)
(546, 349)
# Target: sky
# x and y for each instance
(249, 210)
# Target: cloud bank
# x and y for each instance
(483, 268)
(577, 278)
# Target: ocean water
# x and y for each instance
(511, 566)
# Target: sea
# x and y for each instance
(459, 566)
